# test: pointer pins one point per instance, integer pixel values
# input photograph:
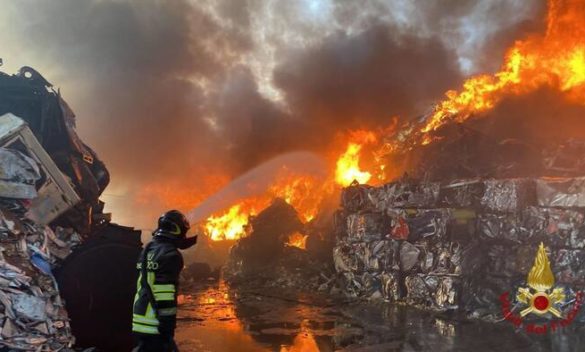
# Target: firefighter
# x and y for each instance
(159, 266)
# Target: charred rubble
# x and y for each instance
(263, 259)
(53, 231)
(457, 235)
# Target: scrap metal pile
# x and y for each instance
(32, 312)
(459, 245)
(50, 183)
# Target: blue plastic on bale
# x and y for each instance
(41, 263)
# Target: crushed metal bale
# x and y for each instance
(458, 245)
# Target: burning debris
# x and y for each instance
(463, 226)
(269, 233)
(275, 254)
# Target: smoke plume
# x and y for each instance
(179, 97)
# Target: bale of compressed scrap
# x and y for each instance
(404, 195)
(480, 295)
(462, 194)
(367, 226)
(391, 285)
(502, 227)
(438, 258)
(376, 256)
(509, 261)
(355, 197)
(508, 195)
(440, 292)
(364, 267)
(568, 266)
(462, 256)
(418, 224)
(561, 192)
(558, 228)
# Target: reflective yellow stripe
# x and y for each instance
(144, 320)
(150, 312)
(163, 288)
(167, 311)
(144, 329)
(164, 296)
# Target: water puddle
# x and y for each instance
(215, 318)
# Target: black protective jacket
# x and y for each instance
(155, 302)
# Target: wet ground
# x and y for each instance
(214, 318)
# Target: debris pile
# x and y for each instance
(33, 316)
(51, 129)
(459, 245)
(263, 258)
(53, 227)
(32, 312)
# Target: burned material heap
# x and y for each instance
(266, 258)
(459, 245)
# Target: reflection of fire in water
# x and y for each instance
(224, 330)
(304, 341)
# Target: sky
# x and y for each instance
(179, 97)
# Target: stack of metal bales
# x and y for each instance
(458, 245)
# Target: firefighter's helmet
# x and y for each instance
(174, 225)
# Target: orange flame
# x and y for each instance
(229, 226)
(303, 192)
(555, 59)
(297, 240)
(347, 166)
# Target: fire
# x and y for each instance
(303, 192)
(347, 167)
(555, 59)
(297, 240)
(229, 226)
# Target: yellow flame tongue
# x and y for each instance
(541, 277)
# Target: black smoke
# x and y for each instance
(164, 93)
